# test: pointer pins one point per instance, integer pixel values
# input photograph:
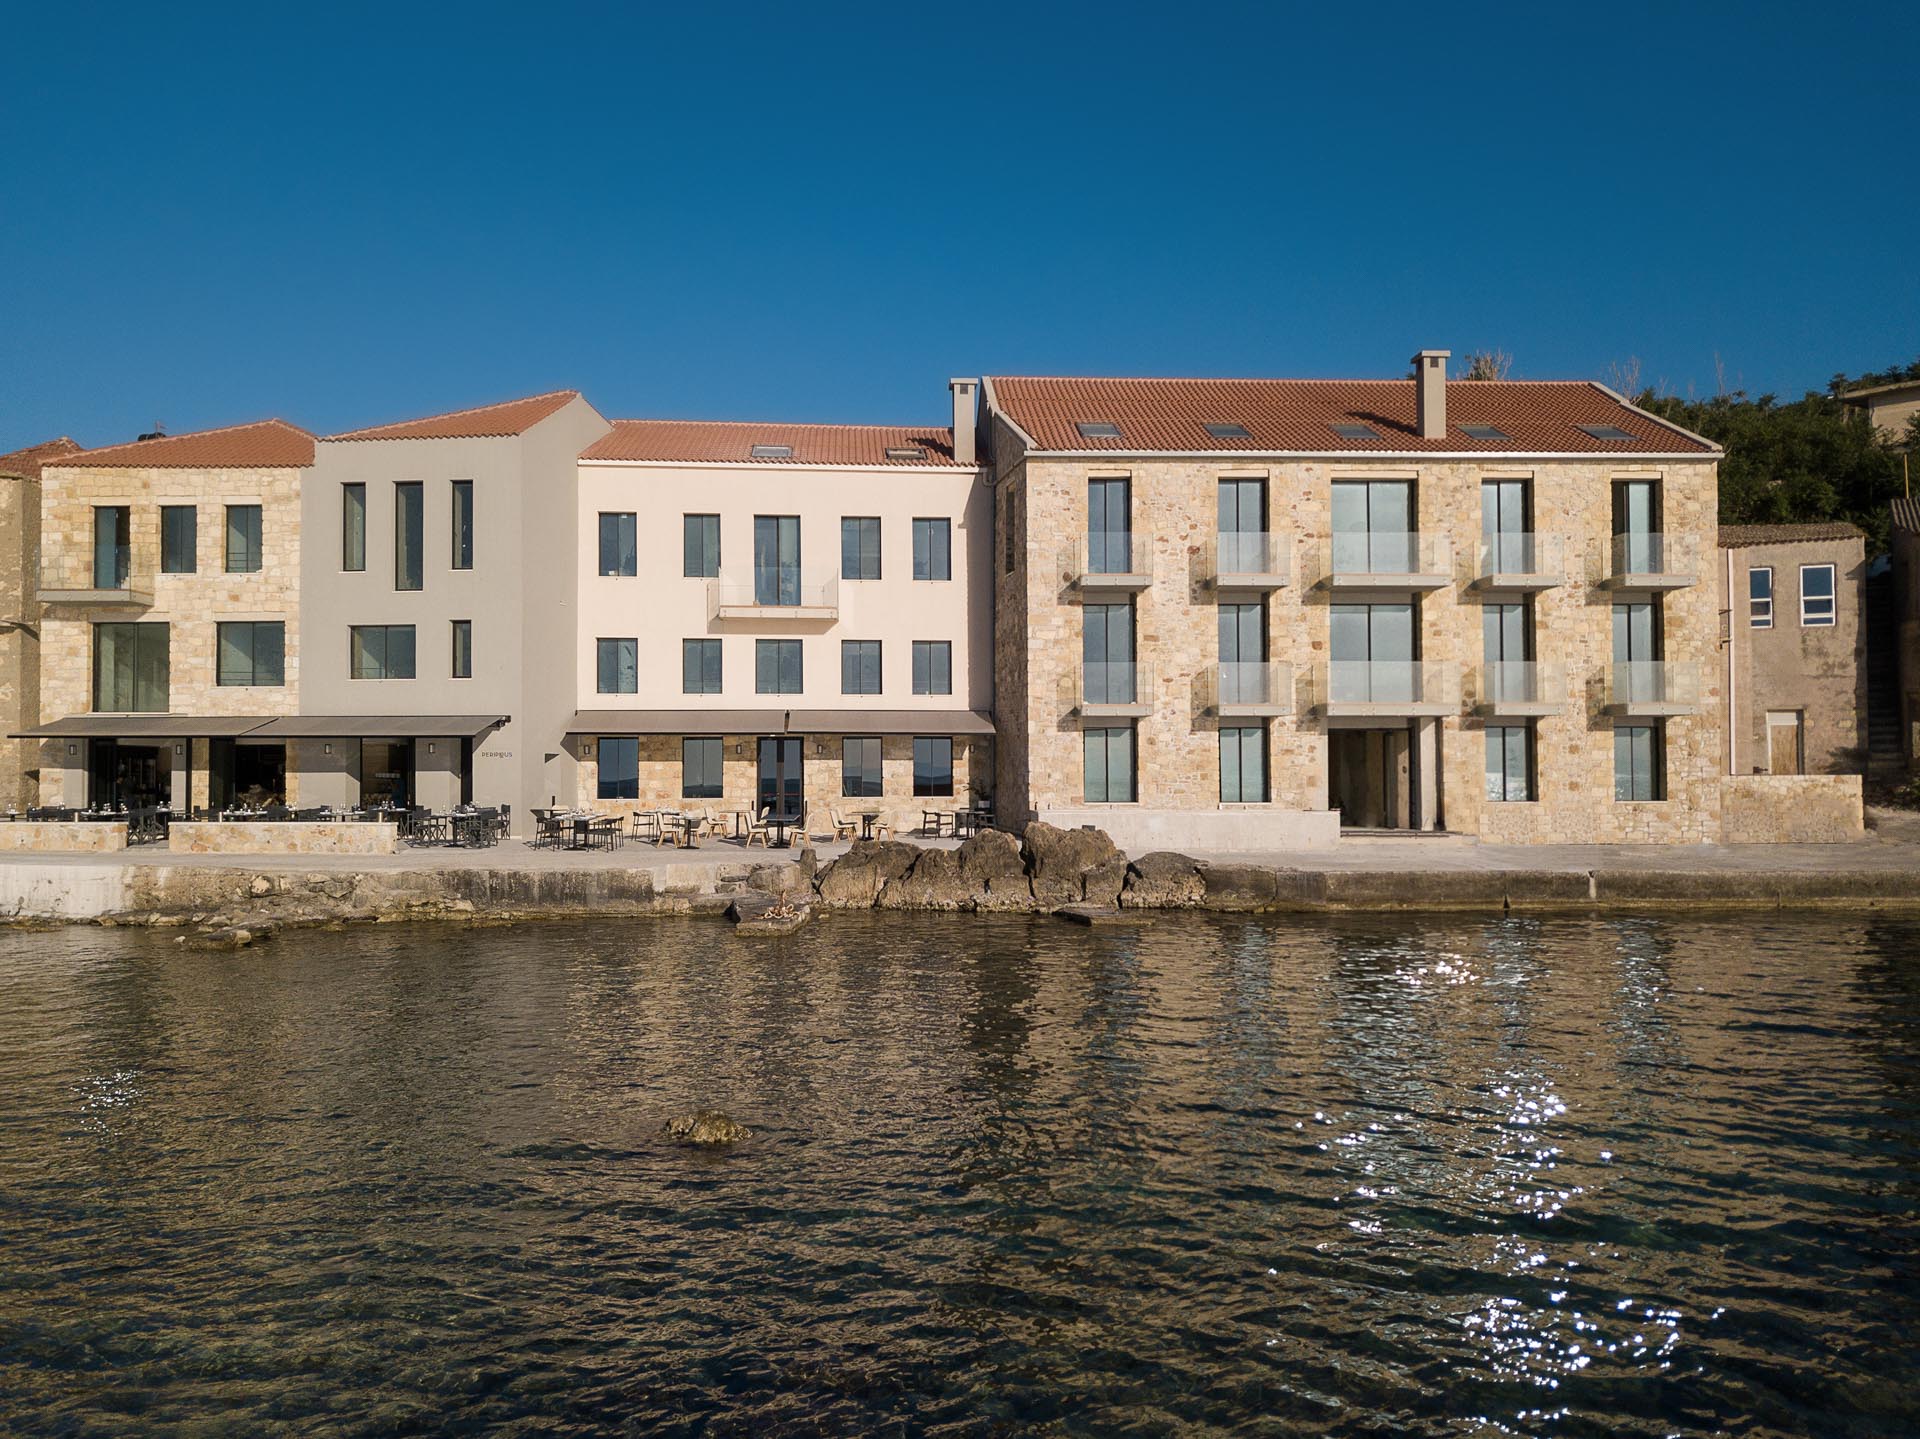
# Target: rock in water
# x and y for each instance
(709, 1126)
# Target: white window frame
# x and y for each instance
(1760, 618)
(1810, 620)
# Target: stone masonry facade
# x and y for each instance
(19, 640)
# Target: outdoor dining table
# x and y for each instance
(867, 818)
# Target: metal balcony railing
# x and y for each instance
(1388, 689)
(783, 595)
(1653, 688)
(1519, 561)
(1651, 561)
(1109, 560)
(1248, 689)
(1519, 688)
(1247, 560)
(1379, 559)
(1114, 688)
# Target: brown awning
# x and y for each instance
(148, 726)
(928, 722)
(780, 721)
(378, 726)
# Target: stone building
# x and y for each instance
(20, 618)
(1795, 659)
(169, 586)
(1255, 613)
(1904, 541)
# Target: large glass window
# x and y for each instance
(860, 772)
(463, 649)
(619, 548)
(1816, 595)
(619, 767)
(243, 539)
(179, 539)
(859, 667)
(1243, 653)
(1506, 640)
(933, 667)
(1109, 764)
(776, 667)
(700, 667)
(1636, 527)
(1372, 649)
(1107, 653)
(700, 768)
(463, 524)
(1241, 512)
(1509, 763)
(1109, 527)
(932, 765)
(1243, 764)
(112, 550)
(700, 542)
(353, 527)
(859, 548)
(1760, 597)
(1639, 676)
(618, 666)
(1506, 525)
(408, 536)
(380, 652)
(776, 559)
(130, 668)
(1373, 527)
(1639, 766)
(933, 549)
(251, 652)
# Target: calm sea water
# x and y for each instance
(1381, 1175)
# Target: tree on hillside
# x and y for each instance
(1486, 365)
(1841, 384)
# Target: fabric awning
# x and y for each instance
(144, 726)
(378, 726)
(772, 721)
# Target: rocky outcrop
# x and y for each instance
(1059, 862)
(1163, 880)
(995, 867)
(709, 1126)
(936, 881)
(854, 881)
(1238, 887)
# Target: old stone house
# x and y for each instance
(20, 618)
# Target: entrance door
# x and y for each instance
(1370, 777)
(386, 772)
(781, 784)
(1109, 527)
(135, 775)
(1636, 526)
(1506, 638)
(1786, 748)
(1636, 652)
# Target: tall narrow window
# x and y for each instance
(933, 549)
(1109, 764)
(463, 649)
(408, 535)
(859, 667)
(1109, 527)
(130, 668)
(353, 527)
(700, 543)
(380, 652)
(860, 770)
(618, 768)
(1636, 527)
(1639, 676)
(243, 539)
(1506, 641)
(250, 652)
(1241, 514)
(1374, 653)
(700, 667)
(933, 667)
(463, 524)
(1506, 528)
(932, 765)
(1243, 654)
(618, 546)
(1243, 764)
(179, 539)
(1107, 673)
(1760, 598)
(776, 667)
(112, 550)
(701, 758)
(1639, 766)
(1509, 763)
(776, 559)
(860, 548)
(1816, 595)
(618, 665)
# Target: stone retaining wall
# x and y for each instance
(1791, 809)
(80, 836)
(269, 837)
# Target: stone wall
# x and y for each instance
(1792, 809)
(283, 837)
(77, 837)
(19, 640)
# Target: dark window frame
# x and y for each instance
(625, 783)
(170, 542)
(386, 635)
(932, 747)
(253, 629)
(461, 500)
(609, 645)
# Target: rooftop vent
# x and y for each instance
(1098, 430)
(1607, 432)
(905, 452)
(1484, 432)
(771, 452)
(1229, 431)
(1356, 432)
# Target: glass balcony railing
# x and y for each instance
(89, 580)
(789, 595)
(1261, 687)
(1653, 687)
(1650, 560)
(1245, 559)
(1389, 559)
(1387, 688)
(1111, 560)
(1519, 561)
(1519, 687)
(1115, 687)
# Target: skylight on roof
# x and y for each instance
(1228, 431)
(905, 452)
(771, 452)
(1356, 432)
(1607, 432)
(1484, 432)
(1098, 430)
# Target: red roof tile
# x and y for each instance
(1734, 537)
(30, 461)
(732, 442)
(484, 422)
(264, 444)
(1297, 416)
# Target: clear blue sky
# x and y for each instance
(344, 215)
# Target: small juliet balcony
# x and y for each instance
(1111, 689)
(1647, 561)
(1388, 560)
(1243, 560)
(1258, 689)
(1653, 689)
(781, 595)
(1518, 689)
(1385, 689)
(1111, 561)
(83, 581)
(1514, 563)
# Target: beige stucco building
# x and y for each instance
(1888, 408)
(20, 619)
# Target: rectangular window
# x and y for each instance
(130, 668)
(933, 549)
(380, 652)
(933, 667)
(408, 535)
(1109, 762)
(700, 545)
(179, 539)
(619, 551)
(776, 667)
(860, 773)
(1639, 766)
(112, 550)
(353, 527)
(700, 776)
(243, 539)
(1373, 528)
(700, 667)
(932, 765)
(618, 664)
(1636, 527)
(1816, 594)
(1760, 598)
(1506, 527)
(463, 524)
(859, 549)
(619, 767)
(251, 652)
(776, 559)
(1010, 548)
(859, 667)
(1109, 527)
(1509, 763)
(1243, 765)
(463, 649)
(1240, 512)
(1106, 653)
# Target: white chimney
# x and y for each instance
(1430, 374)
(965, 447)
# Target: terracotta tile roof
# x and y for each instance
(483, 422)
(264, 444)
(29, 461)
(732, 442)
(1298, 416)
(1733, 537)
